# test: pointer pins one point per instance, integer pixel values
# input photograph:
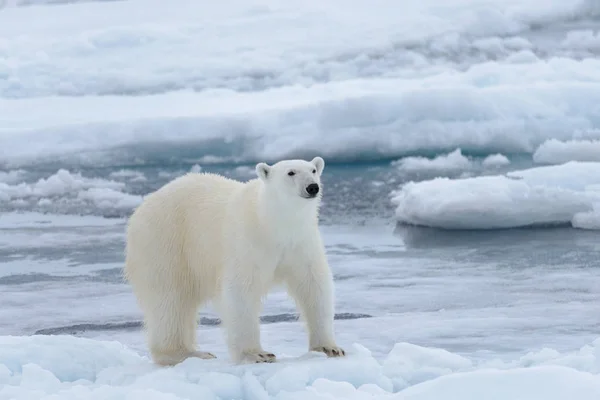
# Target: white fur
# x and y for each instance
(203, 237)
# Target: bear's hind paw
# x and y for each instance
(330, 351)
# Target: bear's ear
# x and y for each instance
(262, 170)
(319, 163)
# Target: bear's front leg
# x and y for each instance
(241, 303)
(311, 286)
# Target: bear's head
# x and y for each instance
(293, 179)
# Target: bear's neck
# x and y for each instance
(283, 216)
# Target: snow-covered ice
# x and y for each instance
(537, 196)
(147, 47)
(454, 161)
(102, 102)
(588, 219)
(69, 190)
(507, 116)
(94, 80)
(76, 368)
(63, 272)
(495, 161)
(554, 151)
(132, 175)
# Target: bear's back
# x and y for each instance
(196, 188)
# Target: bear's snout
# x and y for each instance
(312, 189)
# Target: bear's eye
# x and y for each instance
(314, 171)
(291, 173)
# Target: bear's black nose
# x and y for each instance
(312, 189)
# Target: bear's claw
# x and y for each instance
(330, 351)
(266, 357)
(258, 358)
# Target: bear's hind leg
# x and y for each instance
(171, 329)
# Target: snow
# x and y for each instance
(536, 196)
(103, 101)
(288, 121)
(196, 168)
(448, 164)
(483, 76)
(495, 161)
(454, 161)
(11, 176)
(76, 368)
(25, 220)
(146, 47)
(134, 176)
(110, 198)
(537, 383)
(73, 189)
(432, 310)
(589, 219)
(554, 151)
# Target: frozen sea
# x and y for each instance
(461, 209)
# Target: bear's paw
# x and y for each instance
(260, 357)
(330, 351)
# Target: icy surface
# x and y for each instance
(454, 161)
(536, 196)
(555, 151)
(589, 219)
(76, 368)
(137, 46)
(495, 160)
(96, 81)
(70, 191)
(60, 273)
(102, 102)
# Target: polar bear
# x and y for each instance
(204, 237)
